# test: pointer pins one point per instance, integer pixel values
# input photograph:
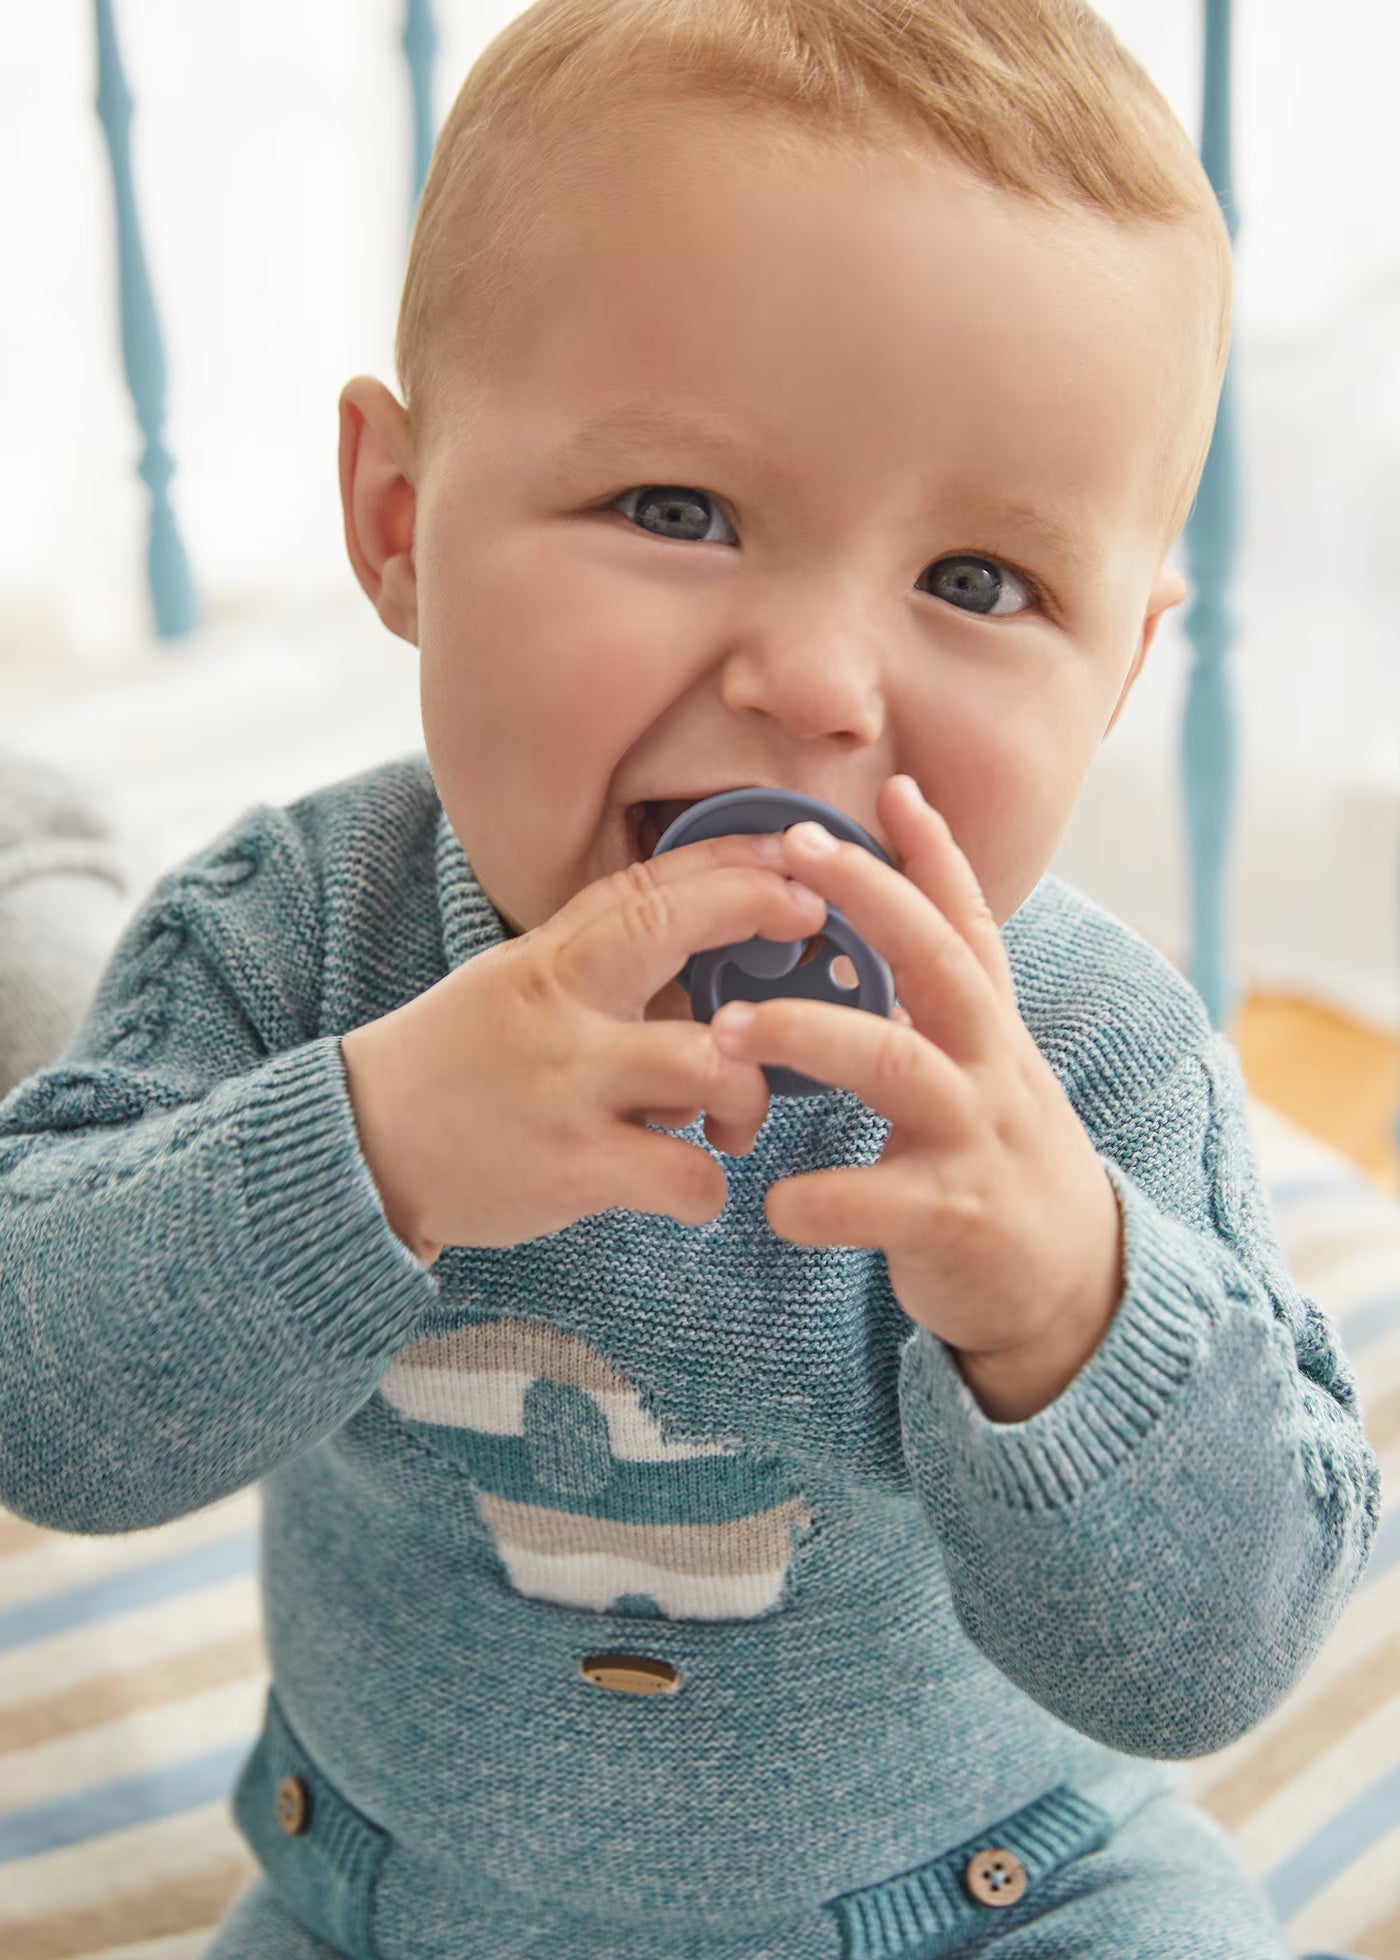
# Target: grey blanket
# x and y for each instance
(63, 900)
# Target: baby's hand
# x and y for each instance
(510, 1099)
(999, 1224)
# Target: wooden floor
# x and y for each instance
(1332, 1077)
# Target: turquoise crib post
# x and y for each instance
(1208, 757)
(168, 572)
(420, 46)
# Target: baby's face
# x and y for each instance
(797, 477)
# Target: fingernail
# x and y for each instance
(733, 1018)
(811, 836)
(768, 848)
(908, 787)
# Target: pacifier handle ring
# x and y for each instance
(873, 992)
(751, 969)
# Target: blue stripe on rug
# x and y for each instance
(143, 1799)
(1368, 1322)
(1292, 1190)
(119, 1592)
(1336, 1846)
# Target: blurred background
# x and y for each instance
(272, 155)
(273, 160)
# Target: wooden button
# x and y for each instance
(293, 1805)
(995, 1877)
(633, 1674)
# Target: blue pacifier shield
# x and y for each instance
(765, 969)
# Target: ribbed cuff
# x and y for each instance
(318, 1225)
(926, 1909)
(1164, 1322)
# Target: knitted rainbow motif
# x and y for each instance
(587, 1501)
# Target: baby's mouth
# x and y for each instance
(646, 823)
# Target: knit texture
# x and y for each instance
(894, 1624)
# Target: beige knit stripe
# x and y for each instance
(189, 1903)
(757, 1543)
(511, 1346)
(1288, 1750)
(108, 1697)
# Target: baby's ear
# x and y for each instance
(376, 495)
(1168, 590)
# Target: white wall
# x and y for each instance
(271, 144)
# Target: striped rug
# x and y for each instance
(132, 1677)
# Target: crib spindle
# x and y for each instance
(420, 46)
(143, 355)
(1209, 745)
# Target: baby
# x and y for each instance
(702, 1524)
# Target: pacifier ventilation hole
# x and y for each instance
(842, 970)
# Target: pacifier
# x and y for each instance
(768, 969)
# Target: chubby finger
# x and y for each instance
(936, 973)
(656, 1070)
(672, 1119)
(889, 1065)
(932, 859)
(641, 1171)
(737, 1139)
(734, 1139)
(641, 925)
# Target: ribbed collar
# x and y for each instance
(470, 922)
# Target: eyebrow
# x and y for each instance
(613, 436)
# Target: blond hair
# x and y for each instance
(1037, 97)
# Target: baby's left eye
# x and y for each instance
(982, 582)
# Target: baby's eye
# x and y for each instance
(983, 582)
(680, 513)
(968, 581)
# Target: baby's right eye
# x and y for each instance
(682, 512)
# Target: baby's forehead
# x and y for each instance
(594, 198)
(600, 261)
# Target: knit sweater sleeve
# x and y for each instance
(1157, 1556)
(197, 1280)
